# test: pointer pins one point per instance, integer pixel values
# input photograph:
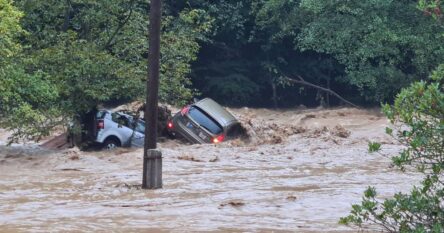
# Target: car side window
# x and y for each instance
(119, 119)
(140, 127)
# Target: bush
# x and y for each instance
(418, 119)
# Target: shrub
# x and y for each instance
(418, 119)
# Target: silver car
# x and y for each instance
(116, 129)
(204, 122)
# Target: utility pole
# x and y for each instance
(152, 158)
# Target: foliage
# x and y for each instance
(115, 33)
(373, 147)
(431, 7)
(179, 48)
(89, 53)
(385, 45)
(94, 52)
(26, 102)
(418, 118)
(376, 47)
(25, 99)
(234, 89)
(9, 29)
(226, 70)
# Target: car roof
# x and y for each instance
(216, 111)
(121, 113)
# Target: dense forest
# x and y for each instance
(62, 58)
(59, 59)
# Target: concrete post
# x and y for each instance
(152, 169)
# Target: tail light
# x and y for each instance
(218, 139)
(185, 110)
(170, 125)
(100, 124)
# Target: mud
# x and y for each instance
(298, 170)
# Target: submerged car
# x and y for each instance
(116, 129)
(205, 121)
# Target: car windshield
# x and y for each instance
(140, 127)
(204, 120)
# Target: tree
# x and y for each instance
(228, 67)
(418, 115)
(93, 52)
(385, 45)
(432, 7)
(24, 99)
(379, 46)
(10, 29)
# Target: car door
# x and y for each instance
(138, 137)
(122, 128)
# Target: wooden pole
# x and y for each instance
(152, 158)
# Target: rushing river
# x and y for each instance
(302, 180)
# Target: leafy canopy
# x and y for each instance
(9, 29)
(77, 54)
(418, 118)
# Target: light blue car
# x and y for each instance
(117, 129)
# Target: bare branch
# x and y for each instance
(301, 81)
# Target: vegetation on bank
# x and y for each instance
(418, 119)
(60, 59)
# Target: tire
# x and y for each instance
(111, 144)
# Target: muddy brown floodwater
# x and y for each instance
(300, 171)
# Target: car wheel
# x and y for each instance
(111, 144)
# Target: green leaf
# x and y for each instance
(374, 147)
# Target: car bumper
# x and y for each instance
(188, 134)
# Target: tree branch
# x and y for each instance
(301, 81)
(120, 26)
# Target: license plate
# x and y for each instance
(201, 135)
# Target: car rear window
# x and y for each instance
(204, 120)
(100, 114)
